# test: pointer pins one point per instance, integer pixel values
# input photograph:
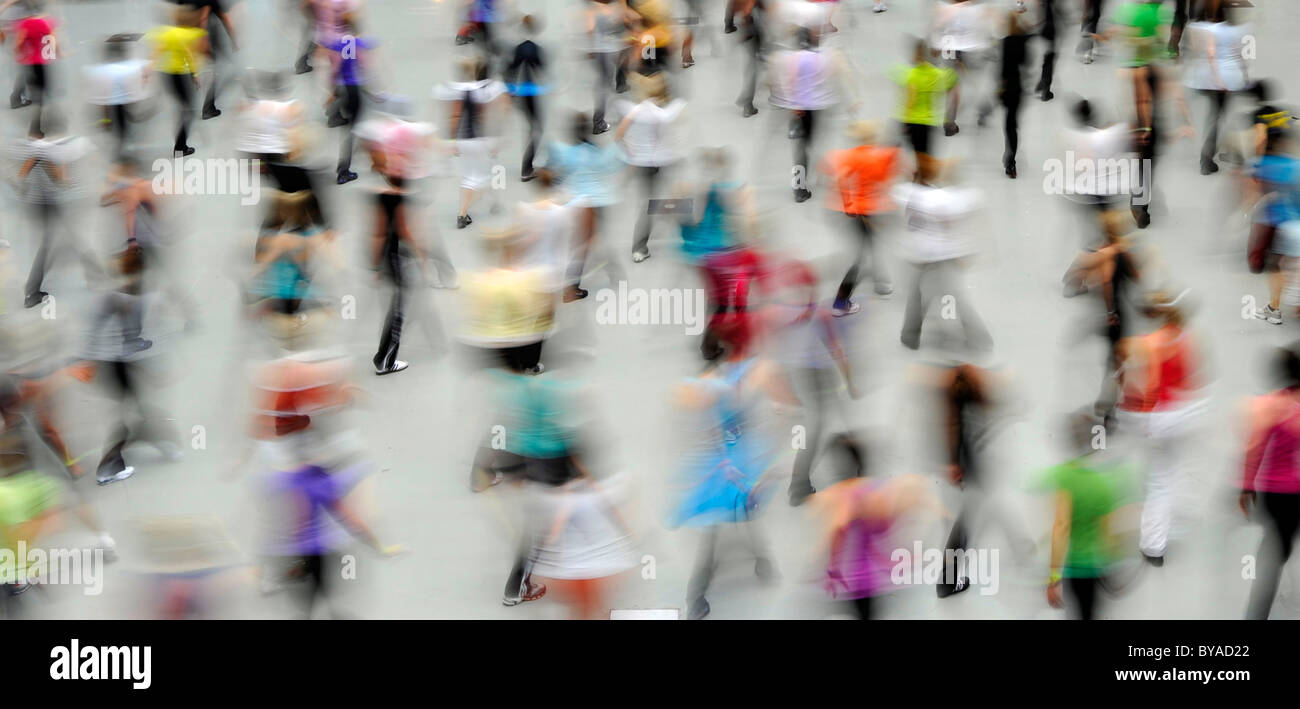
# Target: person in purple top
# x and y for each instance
(346, 54)
(314, 513)
(861, 513)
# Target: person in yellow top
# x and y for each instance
(509, 307)
(178, 53)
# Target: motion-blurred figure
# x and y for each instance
(119, 85)
(862, 177)
(727, 474)
(1161, 404)
(1271, 476)
(937, 241)
(1091, 493)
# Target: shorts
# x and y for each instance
(918, 135)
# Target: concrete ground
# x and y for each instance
(422, 425)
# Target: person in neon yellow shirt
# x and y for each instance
(178, 54)
(924, 88)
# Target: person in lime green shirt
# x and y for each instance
(1089, 491)
(179, 49)
(925, 87)
(1139, 24)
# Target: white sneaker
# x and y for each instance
(398, 366)
(1271, 315)
(122, 474)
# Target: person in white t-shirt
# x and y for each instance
(116, 85)
(938, 239)
(476, 105)
(1217, 70)
(650, 143)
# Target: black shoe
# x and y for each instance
(527, 177)
(1010, 170)
(336, 120)
(728, 29)
(210, 112)
(1209, 168)
(302, 67)
(600, 127)
(20, 103)
(185, 151)
(621, 88)
(346, 176)
(950, 129)
(35, 299)
(799, 494)
(911, 343)
(802, 195)
(463, 221)
(698, 610)
(945, 591)
(1046, 95)
(1143, 217)
(748, 110)
(1154, 560)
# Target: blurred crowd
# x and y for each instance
(774, 359)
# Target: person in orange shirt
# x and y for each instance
(862, 175)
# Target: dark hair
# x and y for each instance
(1286, 363)
(581, 127)
(1262, 90)
(1082, 112)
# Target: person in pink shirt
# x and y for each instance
(35, 46)
(1271, 477)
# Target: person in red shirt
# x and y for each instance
(862, 176)
(35, 46)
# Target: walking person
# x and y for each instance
(178, 54)
(1270, 479)
(862, 177)
(649, 138)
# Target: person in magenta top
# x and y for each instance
(35, 46)
(1271, 477)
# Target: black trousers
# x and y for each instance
(807, 123)
(121, 378)
(1048, 34)
(182, 88)
(532, 110)
(391, 337)
(32, 80)
(866, 244)
(1011, 127)
(1283, 513)
(350, 107)
(753, 41)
